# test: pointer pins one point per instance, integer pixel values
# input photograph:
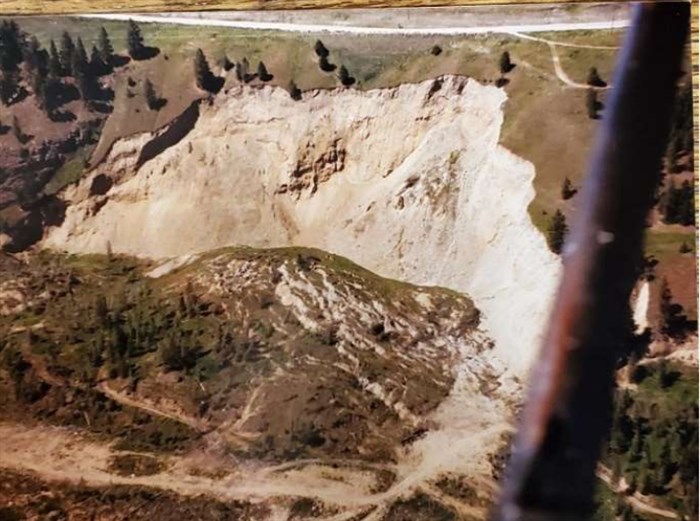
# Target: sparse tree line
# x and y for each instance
(62, 72)
(207, 81)
(323, 54)
(25, 62)
(111, 323)
(111, 332)
(677, 203)
(595, 82)
(681, 139)
(653, 442)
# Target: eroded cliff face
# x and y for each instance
(409, 182)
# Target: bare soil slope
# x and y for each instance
(388, 177)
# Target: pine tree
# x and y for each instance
(592, 103)
(674, 147)
(97, 65)
(244, 70)
(504, 63)
(647, 486)
(691, 500)
(325, 65)
(96, 352)
(39, 82)
(635, 453)
(594, 79)
(17, 129)
(66, 54)
(663, 375)
(227, 64)
(686, 206)
(556, 233)
(134, 40)
(666, 463)
(79, 63)
(11, 43)
(567, 189)
(9, 86)
(682, 122)
(101, 310)
(671, 204)
(83, 73)
(263, 74)
(665, 304)
(15, 365)
(294, 91)
(670, 311)
(202, 72)
(344, 76)
(55, 68)
(105, 48)
(320, 49)
(678, 204)
(34, 57)
(149, 92)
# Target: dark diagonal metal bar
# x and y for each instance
(551, 473)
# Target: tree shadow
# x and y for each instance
(119, 61)
(59, 93)
(669, 378)
(101, 107)
(325, 65)
(23, 137)
(213, 84)
(21, 95)
(502, 81)
(146, 53)
(61, 116)
(594, 113)
(348, 81)
(100, 185)
(47, 211)
(678, 326)
(266, 77)
(103, 94)
(4, 129)
(647, 266)
(157, 104)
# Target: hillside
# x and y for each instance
(303, 173)
(297, 275)
(278, 356)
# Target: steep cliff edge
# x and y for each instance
(410, 182)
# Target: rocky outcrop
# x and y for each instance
(410, 182)
(317, 163)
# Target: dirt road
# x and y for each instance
(62, 454)
(636, 501)
(365, 30)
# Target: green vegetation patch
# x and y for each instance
(654, 440)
